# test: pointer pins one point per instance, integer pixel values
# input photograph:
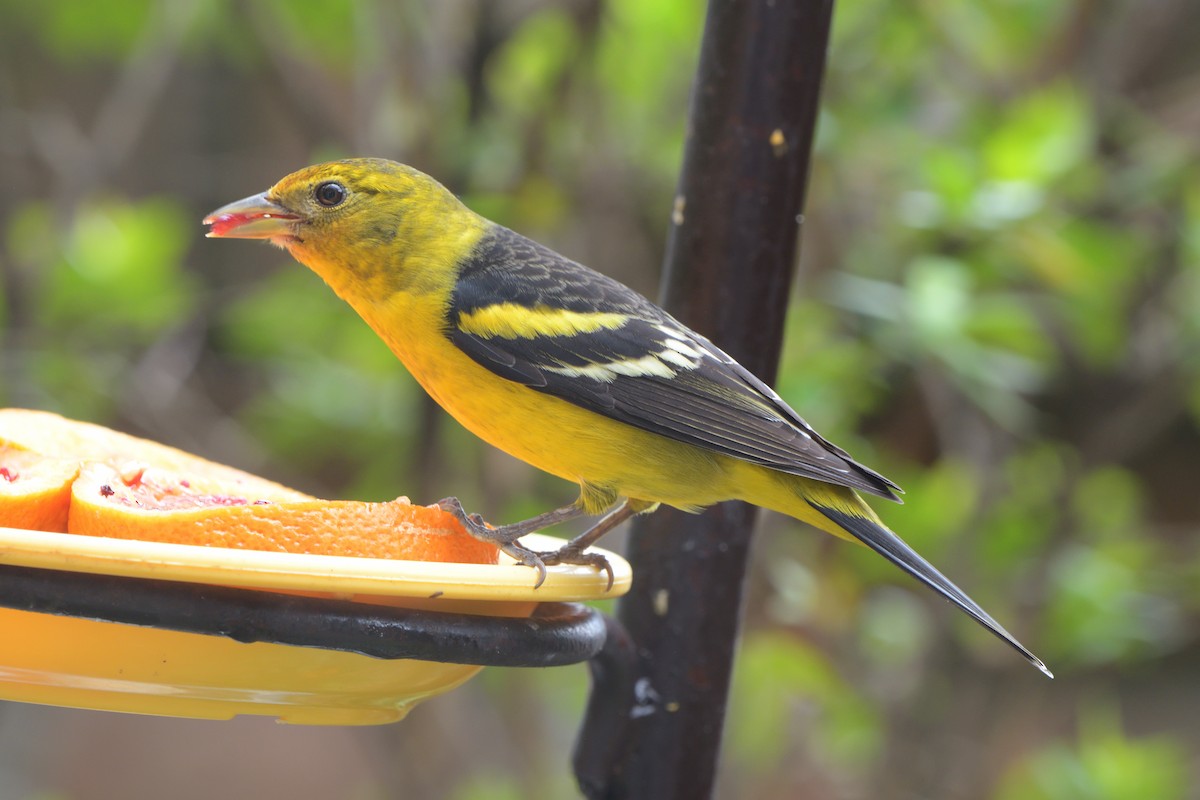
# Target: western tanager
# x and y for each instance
(563, 367)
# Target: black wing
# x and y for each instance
(645, 369)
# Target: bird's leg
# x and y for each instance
(573, 551)
(583, 541)
(505, 536)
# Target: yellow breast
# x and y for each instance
(551, 434)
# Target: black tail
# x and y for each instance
(893, 548)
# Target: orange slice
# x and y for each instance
(58, 437)
(61, 475)
(35, 491)
(159, 505)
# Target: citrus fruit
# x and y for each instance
(62, 475)
(58, 437)
(160, 505)
(34, 491)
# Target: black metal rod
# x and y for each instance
(556, 633)
(730, 262)
(602, 738)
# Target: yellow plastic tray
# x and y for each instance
(82, 663)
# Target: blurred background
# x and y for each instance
(998, 305)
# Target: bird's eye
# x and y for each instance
(330, 193)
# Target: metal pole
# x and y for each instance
(653, 728)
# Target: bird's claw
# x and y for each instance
(454, 507)
(507, 542)
(528, 558)
(474, 523)
(568, 554)
(564, 555)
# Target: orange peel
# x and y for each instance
(55, 436)
(158, 505)
(35, 491)
(62, 475)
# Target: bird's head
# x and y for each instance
(366, 225)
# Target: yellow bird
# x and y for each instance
(563, 367)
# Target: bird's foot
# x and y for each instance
(567, 554)
(529, 558)
(505, 537)
(571, 554)
(475, 525)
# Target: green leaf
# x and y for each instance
(524, 73)
(1107, 504)
(938, 295)
(776, 680)
(645, 58)
(1104, 764)
(113, 273)
(1108, 604)
(321, 31)
(81, 32)
(1040, 137)
(1018, 528)
(291, 315)
(494, 786)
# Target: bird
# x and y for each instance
(565, 368)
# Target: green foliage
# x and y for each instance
(1108, 603)
(531, 64)
(895, 631)
(646, 57)
(1018, 531)
(777, 679)
(490, 787)
(987, 343)
(1044, 136)
(78, 33)
(319, 31)
(1105, 764)
(263, 324)
(121, 257)
(125, 258)
(1112, 597)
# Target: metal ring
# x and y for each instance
(555, 634)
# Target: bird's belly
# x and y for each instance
(563, 439)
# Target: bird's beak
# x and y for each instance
(254, 217)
